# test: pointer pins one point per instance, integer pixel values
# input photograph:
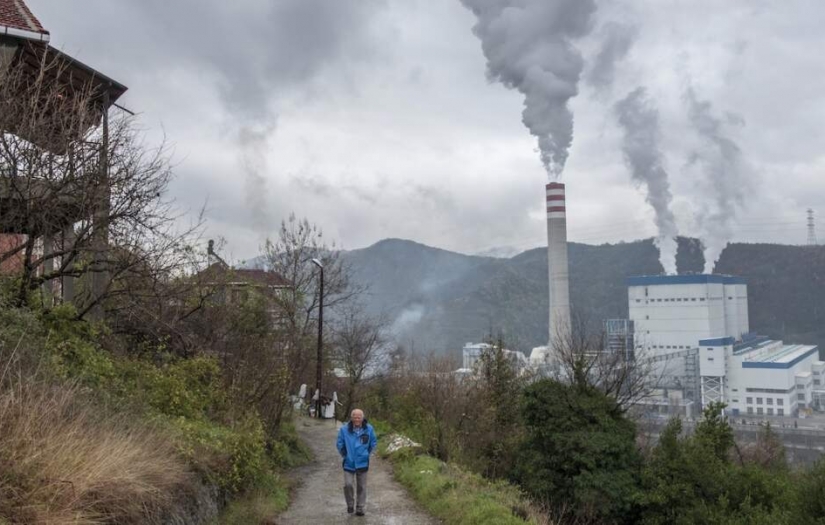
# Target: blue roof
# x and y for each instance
(770, 364)
(653, 280)
(719, 341)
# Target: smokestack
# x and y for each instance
(557, 262)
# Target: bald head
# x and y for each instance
(357, 417)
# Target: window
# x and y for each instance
(638, 300)
(759, 410)
(758, 400)
(780, 411)
(780, 401)
(750, 410)
(800, 397)
(816, 381)
(801, 405)
(735, 400)
(770, 411)
(749, 400)
(701, 298)
(769, 400)
(693, 299)
(710, 359)
(647, 317)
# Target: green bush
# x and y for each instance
(234, 458)
(579, 452)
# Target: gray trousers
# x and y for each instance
(351, 479)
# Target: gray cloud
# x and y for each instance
(376, 98)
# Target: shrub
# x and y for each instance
(64, 461)
(234, 458)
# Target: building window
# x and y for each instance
(800, 397)
(816, 381)
(710, 359)
(780, 411)
(758, 400)
(693, 299)
(780, 401)
(770, 411)
(701, 298)
(750, 410)
(801, 405)
(759, 410)
(749, 400)
(769, 400)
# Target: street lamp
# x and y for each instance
(317, 263)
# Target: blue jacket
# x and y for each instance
(355, 446)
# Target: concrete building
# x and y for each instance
(696, 327)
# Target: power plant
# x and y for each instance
(692, 333)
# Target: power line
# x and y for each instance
(811, 228)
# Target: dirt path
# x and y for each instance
(320, 496)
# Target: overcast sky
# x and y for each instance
(375, 118)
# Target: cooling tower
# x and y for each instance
(557, 263)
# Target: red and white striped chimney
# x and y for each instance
(557, 263)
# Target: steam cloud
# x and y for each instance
(528, 47)
(617, 39)
(639, 120)
(726, 172)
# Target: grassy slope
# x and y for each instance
(454, 495)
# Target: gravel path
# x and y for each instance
(319, 498)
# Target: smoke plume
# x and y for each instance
(528, 47)
(616, 41)
(639, 120)
(726, 172)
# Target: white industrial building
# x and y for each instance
(696, 329)
(471, 355)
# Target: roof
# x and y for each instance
(653, 280)
(219, 273)
(785, 357)
(16, 17)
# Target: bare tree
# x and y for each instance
(82, 195)
(583, 359)
(290, 255)
(359, 343)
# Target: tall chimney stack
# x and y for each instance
(557, 263)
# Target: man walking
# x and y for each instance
(356, 441)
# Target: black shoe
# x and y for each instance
(359, 513)
(350, 510)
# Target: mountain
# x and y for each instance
(437, 300)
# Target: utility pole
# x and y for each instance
(318, 367)
(811, 228)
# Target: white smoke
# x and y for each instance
(528, 47)
(639, 119)
(616, 41)
(252, 139)
(726, 172)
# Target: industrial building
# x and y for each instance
(696, 329)
(471, 355)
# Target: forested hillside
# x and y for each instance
(438, 300)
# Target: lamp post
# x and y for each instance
(318, 373)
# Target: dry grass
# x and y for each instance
(63, 461)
